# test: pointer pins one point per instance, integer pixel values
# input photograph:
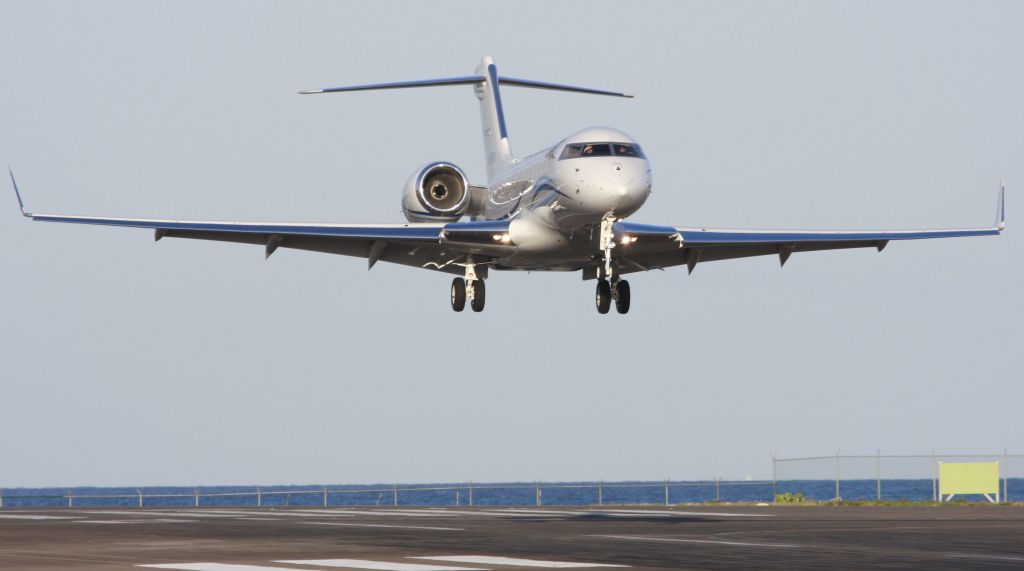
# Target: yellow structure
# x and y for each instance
(960, 478)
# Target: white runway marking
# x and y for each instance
(979, 556)
(398, 513)
(382, 525)
(541, 512)
(147, 513)
(380, 565)
(229, 514)
(327, 512)
(704, 541)
(488, 560)
(29, 516)
(138, 521)
(494, 513)
(213, 567)
(673, 512)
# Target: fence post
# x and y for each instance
(1006, 468)
(600, 492)
(71, 498)
(196, 489)
(774, 493)
(394, 490)
(718, 490)
(536, 493)
(878, 474)
(457, 503)
(837, 475)
(139, 490)
(471, 493)
(259, 497)
(935, 489)
(325, 496)
(666, 492)
(1, 499)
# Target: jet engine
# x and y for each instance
(436, 192)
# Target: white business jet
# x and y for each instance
(560, 209)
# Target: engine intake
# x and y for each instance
(436, 192)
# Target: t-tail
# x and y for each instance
(486, 84)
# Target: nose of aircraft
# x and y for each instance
(631, 183)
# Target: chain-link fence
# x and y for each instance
(872, 477)
(599, 493)
(882, 477)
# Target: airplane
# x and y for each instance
(563, 208)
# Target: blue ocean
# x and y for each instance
(491, 494)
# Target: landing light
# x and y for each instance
(504, 238)
(628, 240)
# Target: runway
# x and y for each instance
(495, 539)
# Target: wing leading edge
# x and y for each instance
(653, 247)
(435, 246)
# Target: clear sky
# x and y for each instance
(185, 362)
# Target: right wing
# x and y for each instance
(436, 246)
(647, 247)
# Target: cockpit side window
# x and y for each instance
(627, 150)
(571, 152)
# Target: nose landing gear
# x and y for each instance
(616, 289)
(470, 288)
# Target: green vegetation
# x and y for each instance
(790, 498)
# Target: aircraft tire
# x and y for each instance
(622, 296)
(603, 297)
(458, 294)
(479, 296)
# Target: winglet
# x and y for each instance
(17, 193)
(1001, 207)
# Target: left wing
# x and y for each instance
(427, 245)
(642, 247)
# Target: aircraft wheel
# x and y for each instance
(479, 296)
(622, 296)
(604, 296)
(458, 294)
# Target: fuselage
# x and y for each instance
(592, 174)
(552, 195)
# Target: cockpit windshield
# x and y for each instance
(582, 150)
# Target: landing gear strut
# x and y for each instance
(609, 286)
(471, 288)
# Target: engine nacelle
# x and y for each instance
(436, 192)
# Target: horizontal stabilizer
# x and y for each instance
(466, 80)
(557, 87)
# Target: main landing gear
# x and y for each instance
(470, 288)
(614, 289)
(617, 290)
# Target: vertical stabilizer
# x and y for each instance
(497, 151)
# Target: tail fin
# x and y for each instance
(498, 152)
